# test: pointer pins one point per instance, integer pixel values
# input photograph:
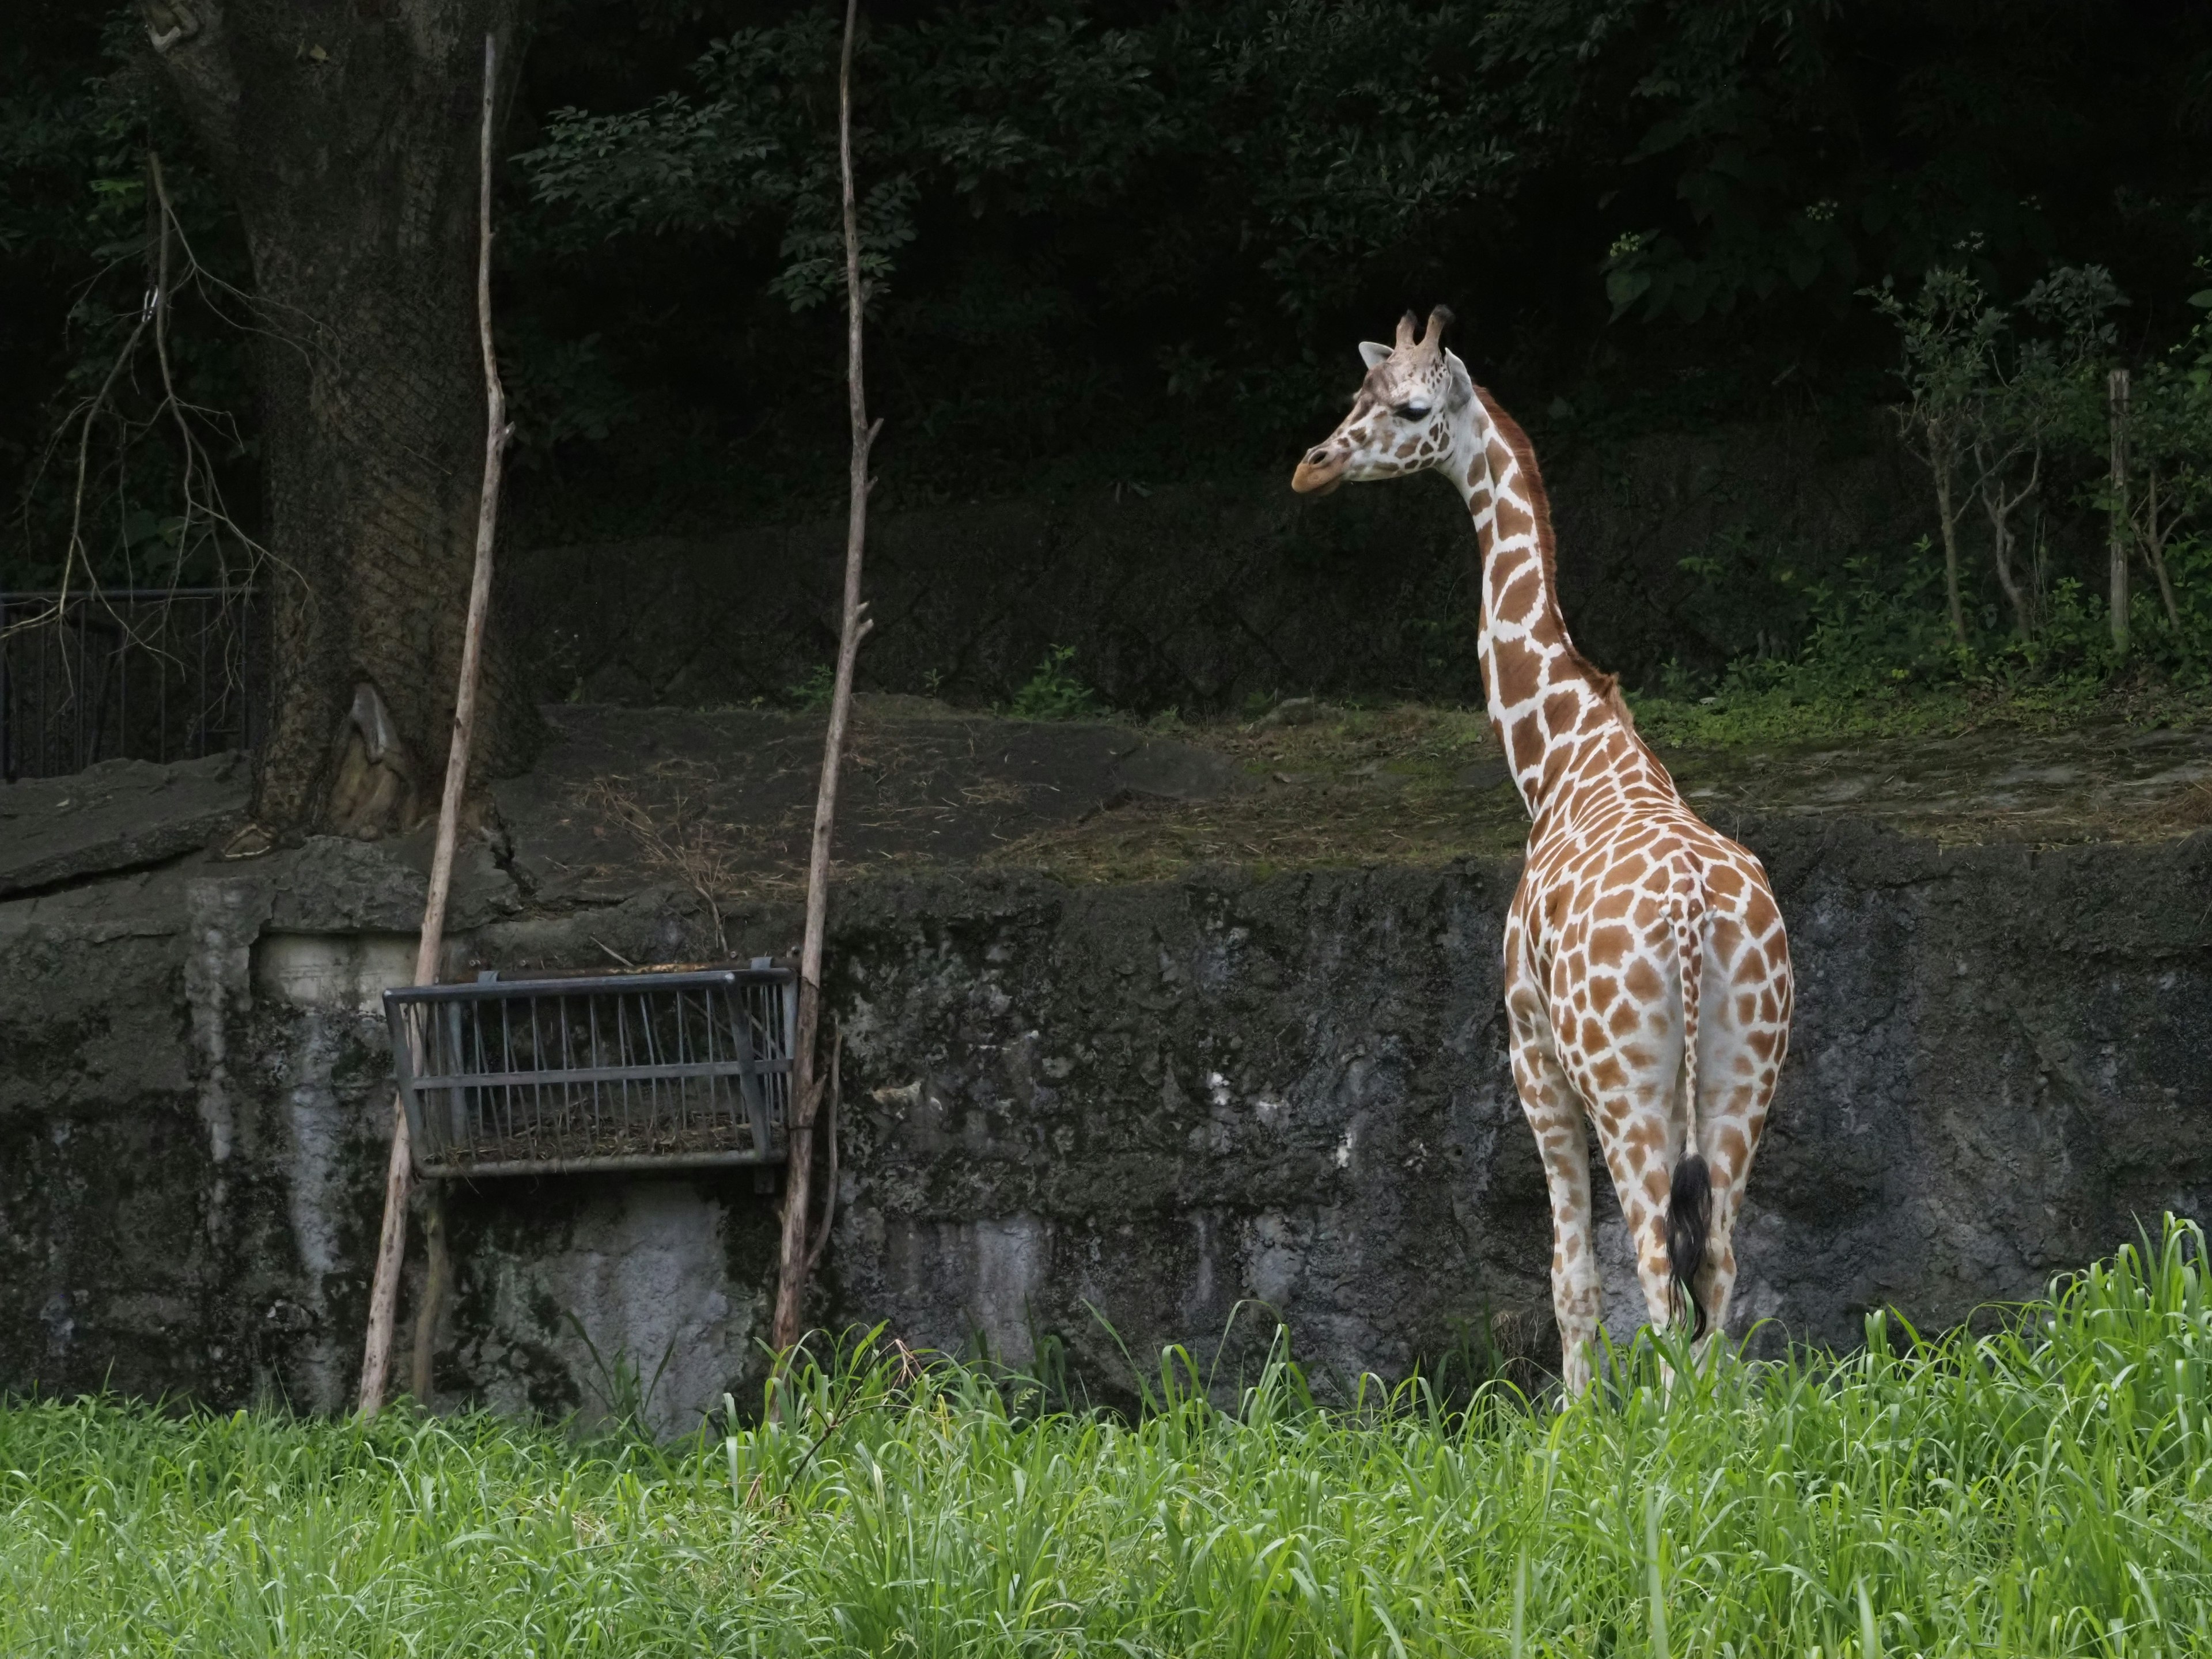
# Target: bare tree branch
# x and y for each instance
(797, 1258)
(829, 1134)
(203, 517)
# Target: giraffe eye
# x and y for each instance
(1411, 411)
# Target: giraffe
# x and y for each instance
(1647, 975)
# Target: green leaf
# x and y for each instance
(1625, 288)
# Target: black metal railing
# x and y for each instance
(158, 674)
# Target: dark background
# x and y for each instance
(1128, 248)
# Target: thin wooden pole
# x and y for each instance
(2116, 394)
(806, 1093)
(384, 1295)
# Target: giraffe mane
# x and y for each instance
(1540, 508)
(1609, 693)
(1607, 685)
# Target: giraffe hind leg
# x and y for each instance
(1733, 1137)
(1555, 1114)
(1741, 1059)
(1634, 1133)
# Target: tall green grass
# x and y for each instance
(2039, 1490)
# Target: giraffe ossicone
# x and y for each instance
(1647, 972)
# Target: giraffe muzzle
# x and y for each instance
(1319, 473)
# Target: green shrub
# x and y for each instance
(1054, 694)
(813, 689)
(1878, 659)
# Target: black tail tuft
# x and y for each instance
(1689, 1219)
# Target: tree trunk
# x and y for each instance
(1993, 467)
(2001, 543)
(2153, 544)
(2116, 391)
(1945, 481)
(346, 134)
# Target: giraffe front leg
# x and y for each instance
(1555, 1114)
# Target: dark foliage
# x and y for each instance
(1136, 240)
(77, 237)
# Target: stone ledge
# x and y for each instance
(117, 816)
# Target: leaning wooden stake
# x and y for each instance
(798, 1255)
(383, 1296)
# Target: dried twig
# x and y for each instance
(806, 1091)
(391, 1244)
(687, 848)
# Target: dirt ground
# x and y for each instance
(723, 801)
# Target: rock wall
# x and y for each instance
(1146, 1106)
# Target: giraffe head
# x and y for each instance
(1409, 414)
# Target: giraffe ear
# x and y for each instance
(1372, 352)
(1462, 383)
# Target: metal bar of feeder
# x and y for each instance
(647, 1087)
(683, 1083)
(622, 1047)
(671, 1071)
(403, 1070)
(541, 1166)
(749, 1083)
(457, 1119)
(503, 1099)
(591, 1042)
(495, 990)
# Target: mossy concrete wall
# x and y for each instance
(1155, 1103)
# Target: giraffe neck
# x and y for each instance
(1552, 712)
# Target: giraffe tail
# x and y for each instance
(1690, 1194)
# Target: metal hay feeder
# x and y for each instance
(622, 1072)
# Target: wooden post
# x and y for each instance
(2116, 402)
(437, 1275)
(797, 1258)
(384, 1295)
